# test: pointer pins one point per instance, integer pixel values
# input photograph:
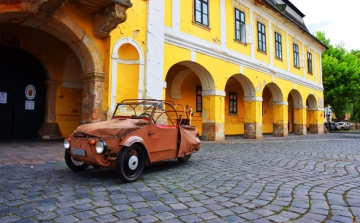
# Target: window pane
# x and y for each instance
(198, 16)
(205, 20)
(205, 9)
(242, 17)
(198, 5)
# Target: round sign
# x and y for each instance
(30, 92)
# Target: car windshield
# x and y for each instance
(159, 112)
(134, 110)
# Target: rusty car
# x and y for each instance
(140, 132)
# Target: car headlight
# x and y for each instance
(66, 143)
(101, 147)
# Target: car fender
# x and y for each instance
(131, 140)
(136, 139)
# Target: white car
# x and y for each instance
(344, 125)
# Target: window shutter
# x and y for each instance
(302, 60)
(249, 34)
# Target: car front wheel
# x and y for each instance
(74, 165)
(130, 163)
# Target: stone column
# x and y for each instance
(155, 37)
(280, 119)
(300, 120)
(50, 129)
(316, 121)
(253, 118)
(213, 117)
(92, 97)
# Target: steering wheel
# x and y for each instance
(147, 115)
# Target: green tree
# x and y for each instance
(341, 72)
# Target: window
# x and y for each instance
(198, 99)
(232, 103)
(261, 37)
(278, 46)
(296, 55)
(240, 28)
(309, 62)
(202, 12)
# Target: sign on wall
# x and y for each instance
(321, 103)
(29, 105)
(3, 97)
(30, 92)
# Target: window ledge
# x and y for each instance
(200, 25)
(240, 42)
(263, 52)
(280, 59)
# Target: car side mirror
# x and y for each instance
(160, 105)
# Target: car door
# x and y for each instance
(161, 142)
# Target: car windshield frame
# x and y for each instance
(159, 111)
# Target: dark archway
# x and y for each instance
(22, 84)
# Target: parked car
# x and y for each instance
(344, 125)
(141, 132)
(335, 126)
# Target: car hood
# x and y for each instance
(110, 128)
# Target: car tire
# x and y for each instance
(130, 163)
(74, 165)
(184, 158)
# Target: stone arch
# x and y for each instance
(115, 60)
(207, 81)
(40, 55)
(63, 27)
(297, 99)
(276, 93)
(247, 85)
(296, 123)
(68, 31)
(311, 102)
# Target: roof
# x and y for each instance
(288, 10)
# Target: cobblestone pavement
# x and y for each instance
(313, 178)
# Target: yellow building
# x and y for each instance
(244, 66)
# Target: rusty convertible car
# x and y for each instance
(140, 132)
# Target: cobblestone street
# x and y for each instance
(312, 178)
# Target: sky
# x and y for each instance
(337, 18)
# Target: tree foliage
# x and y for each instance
(341, 72)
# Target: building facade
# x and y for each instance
(246, 67)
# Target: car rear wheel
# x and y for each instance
(130, 163)
(184, 158)
(74, 165)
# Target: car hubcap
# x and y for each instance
(133, 162)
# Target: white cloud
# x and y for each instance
(338, 19)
